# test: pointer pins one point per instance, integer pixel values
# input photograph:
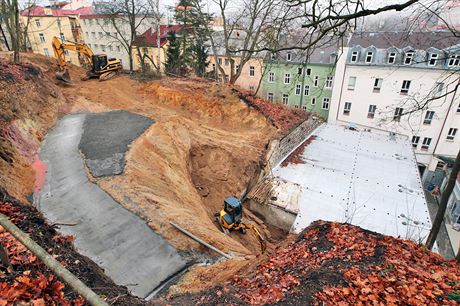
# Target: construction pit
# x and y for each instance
(131, 157)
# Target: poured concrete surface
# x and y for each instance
(116, 239)
(106, 137)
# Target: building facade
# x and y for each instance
(43, 23)
(404, 84)
(104, 33)
(288, 80)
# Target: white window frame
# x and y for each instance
(439, 88)
(371, 111)
(454, 60)
(41, 36)
(451, 134)
(409, 55)
(369, 57)
(391, 58)
(299, 70)
(289, 56)
(304, 108)
(270, 97)
(287, 78)
(306, 90)
(62, 36)
(252, 71)
(326, 101)
(405, 86)
(354, 57)
(308, 72)
(397, 114)
(298, 89)
(434, 59)
(285, 99)
(377, 84)
(429, 115)
(415, 141)
(46, 52)
(313, 101)
(347, 108)
(329, 81)
(271, 77)
(426, 144)
(38, 23)
(316, 81)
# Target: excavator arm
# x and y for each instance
(59, 48)
(256, 232)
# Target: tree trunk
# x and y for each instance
(457, 258)
(4, 37)
(17, 32)
(443, 204)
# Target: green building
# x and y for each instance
(288, 80)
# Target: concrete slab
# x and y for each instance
(106, 137)
(366, 179)
(116, 239)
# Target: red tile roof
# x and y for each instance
(39, 11)
(149, 38)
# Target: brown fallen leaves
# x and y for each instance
(28, 281)
(342, 264)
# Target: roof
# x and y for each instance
(400, 40)
(149, 37)
(368, 179)
(40, 11)
(96, 16)
(235, 42)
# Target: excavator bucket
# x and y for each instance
(64, 76)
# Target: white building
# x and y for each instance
(102, 36)
(381, 77)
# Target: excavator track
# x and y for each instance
(107, 75)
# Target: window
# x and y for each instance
(369, 57)
(58, 23)
(377, 84)
(103, 48)
(347, 108)
(296, 106)
(66, 52)
(299, 70)
(405, 87)
(326, 103)
(428, 117)
(306, 90)
(426, 143)
(219, 60)
(332, 58)
(433, 59)
(354, 57)
(37, 23)
(329, 81)
(226, 78)
(454, 60)
(90, 22)
(87, 34)
(398, 114)
(100, 34)
(451, 134)
(93, 34)
(271, 77)
(304, 107)
(298, 89)
(62, 36)
(289, 56)
(458, 108)
(110, 48)
(313, 101)
(118, 49)
(270, 96)
(438, 88)
(226, 62)
(252, 71)
(415, 141)
(46, 52)
(287, 78)
(371, 111)
(408, 58)
(316, 81)
(285, 99)
(351, 83)
(114, 34)
(213, 67)
(251, 87)
(96, 46)
(308, 71)
(42, 37)
(392, 58)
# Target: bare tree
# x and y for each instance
(9, 9)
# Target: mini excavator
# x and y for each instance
(231, 218)
(102, 67)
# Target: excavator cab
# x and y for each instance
(233, 211)
(99, 62)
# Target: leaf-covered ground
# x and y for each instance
(341, 264)
(29, 282)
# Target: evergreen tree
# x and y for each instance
(173, 58)
(200, 57)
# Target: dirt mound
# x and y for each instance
(340, 264)
(29, 105)
(30, 281)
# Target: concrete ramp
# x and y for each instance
(116, 239)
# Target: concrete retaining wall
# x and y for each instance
(273, 215)
(280, 148)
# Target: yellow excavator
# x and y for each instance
(231, 218)
(102, 67)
